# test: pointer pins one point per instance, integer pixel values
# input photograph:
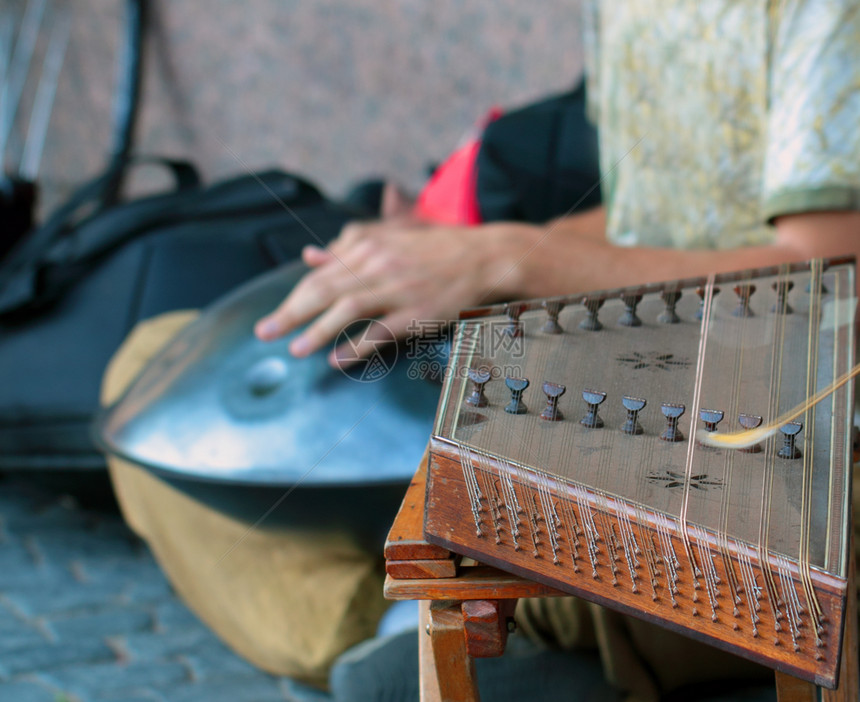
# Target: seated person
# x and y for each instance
(741, 151)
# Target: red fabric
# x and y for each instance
(450, 196)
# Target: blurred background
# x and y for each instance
(331, 89)
(338, 91)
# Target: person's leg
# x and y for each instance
(385, 669)
(290, 601)
(642, 659)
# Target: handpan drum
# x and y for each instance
(217, 408)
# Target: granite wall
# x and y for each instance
(335, 89)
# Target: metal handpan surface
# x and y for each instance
(217, 405)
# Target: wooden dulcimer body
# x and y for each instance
(565, 450)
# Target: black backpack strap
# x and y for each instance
(19, 270)
(250, 194)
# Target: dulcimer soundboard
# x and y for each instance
(565, 450)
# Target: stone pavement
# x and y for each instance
(86, 615)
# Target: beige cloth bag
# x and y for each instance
(287, 600)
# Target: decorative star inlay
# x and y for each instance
(653, 361)
(671, 479)
(590, 450)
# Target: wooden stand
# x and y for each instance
(467, 612)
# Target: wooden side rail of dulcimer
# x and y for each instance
(467, 612)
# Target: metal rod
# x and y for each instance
(43, 104)
(7, 36)
(19, 68)
(127, 97)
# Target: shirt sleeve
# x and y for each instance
(812, 159)
(590, 19)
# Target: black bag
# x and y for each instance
(539, 162)
(72, 291)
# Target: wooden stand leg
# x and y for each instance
(486, 626)
(428, 680)
(790, 689)
(452, 666)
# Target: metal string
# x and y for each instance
(777, 358)
(728, 472)
(808, 453)
(691, 444)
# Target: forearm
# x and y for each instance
(564, 259)
(406, 272)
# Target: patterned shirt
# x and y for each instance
(717, 115)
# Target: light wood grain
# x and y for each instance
(455, 669)
(406, 538)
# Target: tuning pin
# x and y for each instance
(592, 306)
(711, 418)
(750, 421)
(789, 449)
(744, 293)
(629, 318)
(517, 386)
(592, 398)
(479, 377)
(552, 307)
(551, 412)
(672, 413)
(782, 288)
(670, 298)
(701, 292)
(633, 405)
(514, 327)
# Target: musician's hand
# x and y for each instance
(401, 272)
